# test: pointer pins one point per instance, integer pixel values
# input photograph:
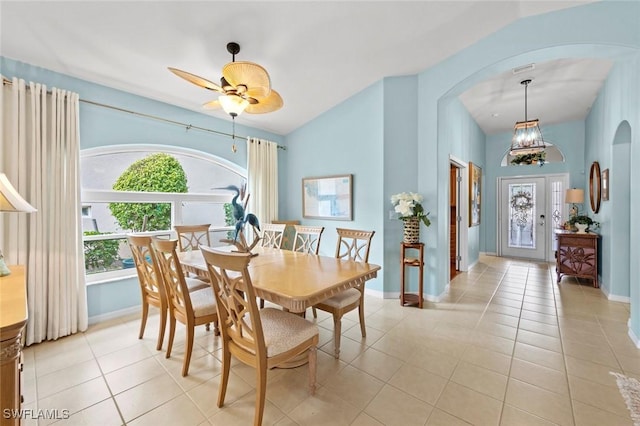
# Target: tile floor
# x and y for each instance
(507, 346)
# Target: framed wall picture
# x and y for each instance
(475, 194)
(605, 185)
(327, 197)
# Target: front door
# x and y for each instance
(522, 218)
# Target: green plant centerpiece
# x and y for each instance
(584, 220)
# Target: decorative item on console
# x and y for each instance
(408, 206)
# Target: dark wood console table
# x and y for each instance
(577, 255)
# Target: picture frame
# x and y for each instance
(605, 185)
(328, 197)
(475, 194)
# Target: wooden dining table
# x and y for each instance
(293, 280)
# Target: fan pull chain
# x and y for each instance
(234, 149)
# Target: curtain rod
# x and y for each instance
(153, 117)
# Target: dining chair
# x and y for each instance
(307, 239)
(191, 308)
(272, 234)
(191, 236)
(260, 338)
(352, 245)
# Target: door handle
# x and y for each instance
(541, 223)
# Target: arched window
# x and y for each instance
(204, 202)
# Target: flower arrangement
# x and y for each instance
(585, 220)
(408, 205)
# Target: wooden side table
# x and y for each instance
(411, 299)
(577, 255)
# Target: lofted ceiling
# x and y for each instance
(318, 53)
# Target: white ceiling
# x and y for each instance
(318, 53)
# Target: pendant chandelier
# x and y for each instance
(527, 138)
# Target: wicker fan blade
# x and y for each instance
(212, 105)
(198, 81)
(271, 103)
(249, 74)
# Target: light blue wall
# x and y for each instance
(345, 140)
(102, 126)
(568, 137)
(598, 30)
(617, 107)
(462, 139)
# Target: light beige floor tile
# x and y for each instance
(537, 375)
(59, 361)
(497, 300)
(587, 415)
(354, 386)
(180, 410)
(469, 405)
(539, 317)
(441, 418)
(242, 412)
(598, 354)
(396, 347)
(123, 357)
(542, 403)
(499, 330)
(394, 407)
(364, 419)
(539, 327)
(605, 397)
(591, 371)
(434, 361)
(377, 364)
(539, 356)
(78, 397)
(486, 358)
(539, 340)
(133, 375)
(480, 379)
(419, 383)
(147, 396)
(493, 343)
(630, 364)
(501, 319)
(323, 408)
(103, 413)
(512, 416)
(65, 378)
(205, 395)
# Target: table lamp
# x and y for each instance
(10, 201)
(574, 196)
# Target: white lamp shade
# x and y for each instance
(233, 104)
(574, 196)
(10, 200)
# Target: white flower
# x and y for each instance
(409, 204)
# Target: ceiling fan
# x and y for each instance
(244, 86)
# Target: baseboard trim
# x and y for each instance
(113, 315)
(634, 338)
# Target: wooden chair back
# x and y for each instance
(272, 234)
(307, 239)
(176, 287)
(190, 237)
(353, 244)
(147, 268)
(240, 323)
(151, 284)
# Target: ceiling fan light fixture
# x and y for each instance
(233, 105)
(527, 137)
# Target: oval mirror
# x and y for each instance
(595, 187)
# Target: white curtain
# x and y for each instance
(40, 156)
(262, 179)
